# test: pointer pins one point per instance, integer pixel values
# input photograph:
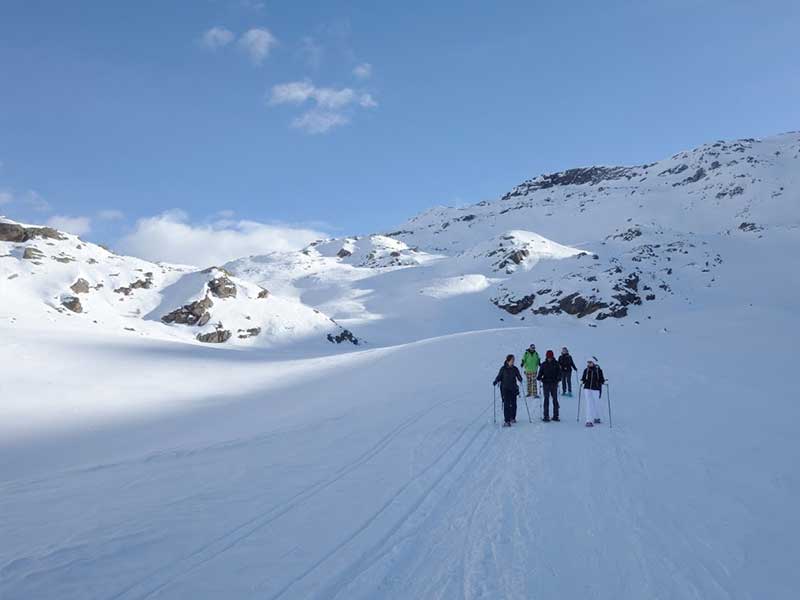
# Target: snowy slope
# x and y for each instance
(596, 243)
(48, 276)
(147, 465)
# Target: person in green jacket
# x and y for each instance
(530, 362)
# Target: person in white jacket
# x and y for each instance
(593, 381)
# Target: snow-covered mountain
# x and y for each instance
(146, 464)
(51, 276)
(593, 243)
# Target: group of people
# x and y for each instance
(550, 373)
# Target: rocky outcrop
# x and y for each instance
(144, 284)
(344, 335)
(577, 305)
(195, 313)
(218, 336)
(13, 232)
(32, 253)
(248, 333)
(344, 253)
(72, 303)
(515, 306)
(264, 293)
(581, 176)
(222, 287)
(81, 286)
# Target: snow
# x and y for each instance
(144, 464)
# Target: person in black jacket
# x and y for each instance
(507, 377)
(593, 381)
(550, 375)
(567, 367)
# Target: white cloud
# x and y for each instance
(217, 37)
(171, 237)
(74, 225)
(6, 198)
(257, 43)
(330, 104)
(363, 71)
(110, 214)
(319, 121)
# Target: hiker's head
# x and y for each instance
(532, 347)
(564, 350)
(590, 362)
(510, 360)
(549, 355)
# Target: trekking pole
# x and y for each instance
(578, 417)
(494, 403)
(528, 409)
(608, 398)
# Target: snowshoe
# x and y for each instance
(590, 424)
(556, 419)
(513, 421)
(506, 424)
(546, 419)
(597, 421)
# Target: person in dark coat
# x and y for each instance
(567, 367)
(550, 376)
(508, 378)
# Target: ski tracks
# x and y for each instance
(159, 579)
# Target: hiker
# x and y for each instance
(593, 381)
(507, 377)
(530, 362)
(550, 376)
(567, 367)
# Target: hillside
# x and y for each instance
(149, 464)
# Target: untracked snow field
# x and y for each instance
(135, 468)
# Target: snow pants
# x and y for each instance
(550, 389)
(531, 380)
(592, 401)
(566, 382)
(509, 404)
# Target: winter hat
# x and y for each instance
(591, 360)
(550, 354)
(564, 350)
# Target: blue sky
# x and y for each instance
(349, 117)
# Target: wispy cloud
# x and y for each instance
(363, 71)
(171, 237)
(6, 198)
(330, 104)
(311, 52)
(110, 214)
(217, 37)
(257, 43)
(75, 225)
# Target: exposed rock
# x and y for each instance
(264, 293)
(218, 336)
(617, 313)
(577, 305)
(248, 333)
(145, 284)
(63, 259)
(581, 176)
(72, 303)
(750, 227)
(32, 253)
(12, 232)
(515, 306)
(81, 286)
(222, 287)
(344, 253)
(344, 335)
(629, 234)
(195, 313)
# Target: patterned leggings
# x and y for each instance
(532, 386)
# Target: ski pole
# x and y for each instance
(608, 397)
(494, 403)
(528, 409)
(578, 417)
